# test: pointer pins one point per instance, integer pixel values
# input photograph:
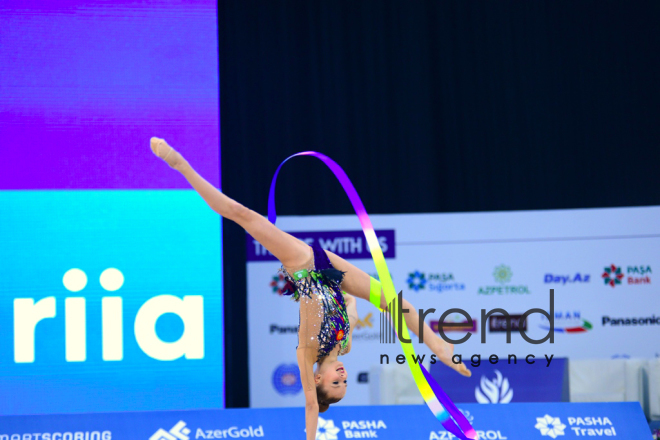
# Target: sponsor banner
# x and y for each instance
(346, 244)
(473, 262)
(520, 421)
(506, 379)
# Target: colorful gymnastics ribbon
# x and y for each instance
(437, 400)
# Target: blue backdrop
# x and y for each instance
(163, 243)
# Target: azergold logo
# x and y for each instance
(364, 322)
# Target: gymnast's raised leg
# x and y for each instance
(286, 248)
(292, 252)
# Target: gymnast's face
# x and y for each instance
(331, 378)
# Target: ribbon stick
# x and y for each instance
(437, 400)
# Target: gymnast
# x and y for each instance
(325, 286)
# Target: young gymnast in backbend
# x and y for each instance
(324, 284)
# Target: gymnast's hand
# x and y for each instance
(349, 299)
(445, 352)
(351, 306)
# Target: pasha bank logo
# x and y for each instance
(280, 285)
(613, 275)
(326, 430)
(189, 308)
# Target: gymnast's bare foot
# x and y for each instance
(161, 149)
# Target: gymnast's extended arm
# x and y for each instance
(306, 358)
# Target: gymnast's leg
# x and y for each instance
(358, 283)
(289, 250)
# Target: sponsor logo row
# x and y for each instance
(419, 281)
(326, 430)
(611, 275)
(565, 322)
(77, 435)
(547, 425)
(180, 431)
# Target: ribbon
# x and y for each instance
(437, 400)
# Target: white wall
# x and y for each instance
(468, 247)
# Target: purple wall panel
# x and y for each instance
(84, 85)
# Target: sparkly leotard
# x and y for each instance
(323, 319)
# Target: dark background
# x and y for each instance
(432, 106)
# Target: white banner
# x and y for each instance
(599, 262)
